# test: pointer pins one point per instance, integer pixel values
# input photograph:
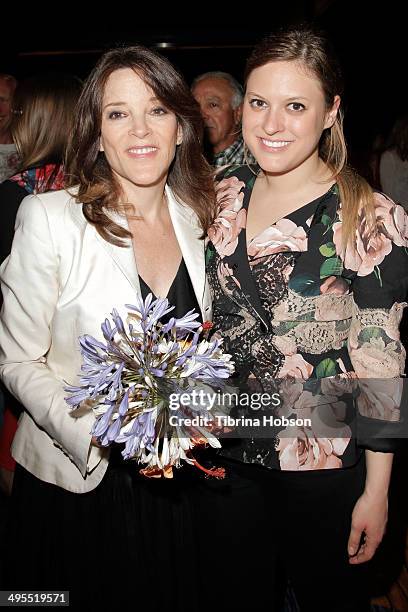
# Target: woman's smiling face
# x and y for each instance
(138, 134)
(284, 115)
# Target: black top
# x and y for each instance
(181, 293)
(11, 196)
(47, 176)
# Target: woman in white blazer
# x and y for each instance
(132, 222)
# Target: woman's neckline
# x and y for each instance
(303, 207)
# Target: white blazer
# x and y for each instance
(61, 280)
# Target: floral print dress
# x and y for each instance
(293, 306)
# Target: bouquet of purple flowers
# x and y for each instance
(128, 382)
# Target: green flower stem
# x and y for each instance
(377, 273)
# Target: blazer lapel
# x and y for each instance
(123, 256)
(188, 234)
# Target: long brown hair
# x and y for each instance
(44, 109)
(189, 175)
(313, 50)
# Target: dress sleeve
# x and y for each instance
(374, 344)
(30, 289)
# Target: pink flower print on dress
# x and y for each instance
(373, 245)
(231, 218)
(283, 236)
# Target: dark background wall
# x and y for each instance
(369, 37)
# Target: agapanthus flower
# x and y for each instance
(128, 379)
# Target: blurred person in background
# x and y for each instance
(394, 163)
(220, 98)
(8, 153)
(42, 123)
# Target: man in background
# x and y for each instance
(220, 98)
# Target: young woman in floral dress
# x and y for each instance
(308, 269)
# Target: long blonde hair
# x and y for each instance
(44, 109)
(312, 49)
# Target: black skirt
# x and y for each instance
(128, 542)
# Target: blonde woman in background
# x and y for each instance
(43, 116)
